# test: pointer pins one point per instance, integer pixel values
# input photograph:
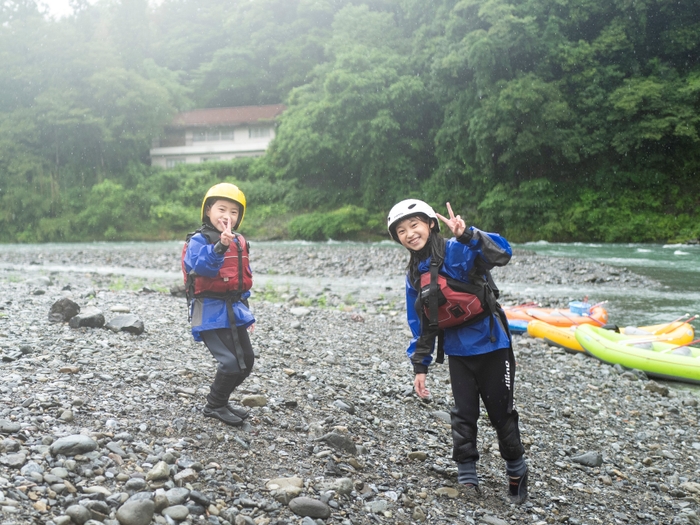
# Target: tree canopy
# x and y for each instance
(542, 119)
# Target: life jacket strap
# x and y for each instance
(238, 349)
(433, 295)
(440, 357)
(239, 249)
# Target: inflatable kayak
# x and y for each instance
(517, 326)
(557, 316)
(677, 332)
(662, 360)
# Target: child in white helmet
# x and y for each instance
(451, 300)
(218, 278)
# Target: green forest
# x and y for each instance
(562, 120)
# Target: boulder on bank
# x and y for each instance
(89, 318)
(126, 323)
(63, 310)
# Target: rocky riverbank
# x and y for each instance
(105, 427)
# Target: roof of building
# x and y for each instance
(212, 117)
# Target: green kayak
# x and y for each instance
(662, 360)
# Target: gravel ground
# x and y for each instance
(98, 426)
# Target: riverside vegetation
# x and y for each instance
(103, 427)
(539, 119)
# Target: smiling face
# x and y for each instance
(413, 232)
(222, 212)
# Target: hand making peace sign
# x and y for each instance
(455, 224)
(226, 234)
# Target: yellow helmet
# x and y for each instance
(228, 191)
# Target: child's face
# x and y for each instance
(223, 214)
(413, 233)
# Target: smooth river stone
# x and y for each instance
(73, 445)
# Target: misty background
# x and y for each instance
(541, 119)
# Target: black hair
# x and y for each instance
(434, 248)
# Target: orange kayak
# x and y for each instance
(557, 316)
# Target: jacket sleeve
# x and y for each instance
(490, 248)
(420, 349)
(202, 258)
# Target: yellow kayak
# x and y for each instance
(677, 332)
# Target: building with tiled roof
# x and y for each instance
(214, 134)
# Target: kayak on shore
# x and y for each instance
(676, 332)
(596, 315)
(656, 359)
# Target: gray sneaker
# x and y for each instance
(222, 414)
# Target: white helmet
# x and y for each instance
(409, 208)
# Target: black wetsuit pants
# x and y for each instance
(229, 373)
(490, 376)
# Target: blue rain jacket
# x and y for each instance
(210, 314)
(471, 339)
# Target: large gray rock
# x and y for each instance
(138, 512)
(90, 318)
(63, 310)
(160, 470)
(177, 495)
(200, 499)
(313, 508)
(161, 502)
(126, 323)
(9, 427)
(99, 510)
(340, 442)
(135, 485)
(176, 512)
(10, 445)
(31, 467)
(346, 406)
(254, 401)
(13, 460)
(299, 311)
(285, 490)
(72, 445)
(114, 447)
(589, 459)
(341, 485)
(79, 514)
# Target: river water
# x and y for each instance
(675, 267)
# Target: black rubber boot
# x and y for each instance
(517, 488)
(239, 411)
(222, 414)
(221, 389)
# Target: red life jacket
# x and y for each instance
(448, 302)
(234, 276)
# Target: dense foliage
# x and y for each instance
(541, 119)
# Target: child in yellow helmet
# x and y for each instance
(218, 278)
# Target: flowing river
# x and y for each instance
(675, 267)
